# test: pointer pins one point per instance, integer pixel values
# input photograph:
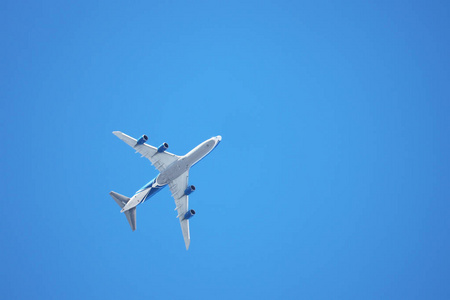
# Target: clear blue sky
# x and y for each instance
(331, 181)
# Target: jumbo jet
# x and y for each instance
(174, 172)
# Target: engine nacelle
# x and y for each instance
(190, 213)
(163, 147)
(190, 189)
(142, 140)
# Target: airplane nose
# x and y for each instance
(219, 137)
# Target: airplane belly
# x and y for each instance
(135, 200)
(152, 192)
(196, 156)
(173, 172)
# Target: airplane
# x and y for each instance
(174, 172)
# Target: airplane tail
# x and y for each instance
(131, 213)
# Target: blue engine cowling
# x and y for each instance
(142, 140)
(190, 213)
(163, 147)
(190, 189)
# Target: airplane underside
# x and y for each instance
(174, 172)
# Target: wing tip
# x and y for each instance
(187, 241)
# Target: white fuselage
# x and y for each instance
(183, 164)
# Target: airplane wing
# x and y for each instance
(177, 187)
(159, 160)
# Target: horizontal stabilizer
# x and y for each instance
(121, 200)
(131, 217)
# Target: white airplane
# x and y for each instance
(174, 171)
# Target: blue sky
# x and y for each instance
(331, 181)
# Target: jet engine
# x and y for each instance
(142, 140)
(190, 189)
(190, 213)
(163, 147)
